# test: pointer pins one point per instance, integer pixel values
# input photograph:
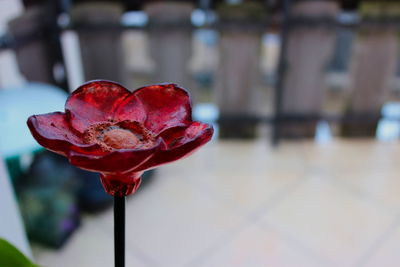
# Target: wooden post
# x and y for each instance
(309, 49)
(99, 31)
(241, 27)
(372, 68)
(170, 38)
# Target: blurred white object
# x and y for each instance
(9, 72)
(389, 126)
(134, 18)
(11, 227)
(16, 105)
(323, 133)
(209, 113)
(73, 59)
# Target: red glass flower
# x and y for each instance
(108, 129)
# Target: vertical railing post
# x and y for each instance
(310, 45)
(99, 32)
(170, 39)
(373, 66)
(241, 27)
(281, 71)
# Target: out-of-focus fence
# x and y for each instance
(309, 35)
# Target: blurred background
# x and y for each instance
(304, 96)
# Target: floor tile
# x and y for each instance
(368, 168)
(379, 185)
(315, 204)
(246, 175)
(89, 246)
(331, 221)
(352, 155)
(171, 221)
(260, 247)
(387, 254)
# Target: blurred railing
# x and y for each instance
(308, 32)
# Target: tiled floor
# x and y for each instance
(248, 204)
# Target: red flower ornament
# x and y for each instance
(108, 129)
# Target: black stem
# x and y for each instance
(119, 231)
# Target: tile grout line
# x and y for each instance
(378, 243)
(278, 197)
(359, 193)
(249, 220)
(262, 212)
(296, 243)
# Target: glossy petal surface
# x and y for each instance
(179, 142)
(94, 102)
(53, 132)
(117, 187)
(108, 129)
(166, 105)
(119, 161)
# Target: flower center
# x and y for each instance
(122, 135)
(120, 138)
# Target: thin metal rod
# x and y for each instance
(281, 72)
(119, 231)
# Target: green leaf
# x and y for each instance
(10, 256)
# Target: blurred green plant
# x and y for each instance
(10, 256)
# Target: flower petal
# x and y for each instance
(94, 102)
(119, 161)
(160, 106)
(179, 142)
(52, 131)
(131, 109)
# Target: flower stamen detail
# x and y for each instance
(120, 138)
(112, 137)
